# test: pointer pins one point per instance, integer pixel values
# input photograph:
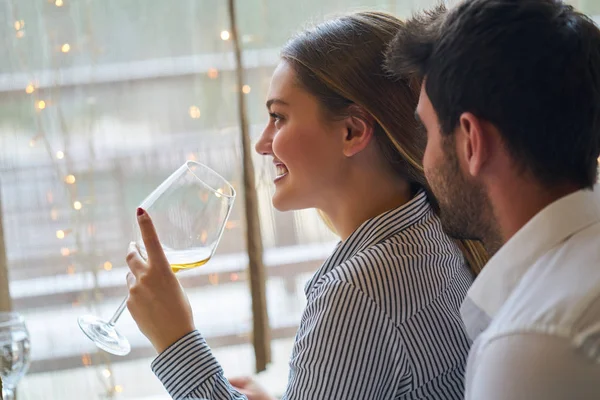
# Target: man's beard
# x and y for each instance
(465, 210)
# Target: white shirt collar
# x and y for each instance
(548, 228)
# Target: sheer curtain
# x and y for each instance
(99, 101)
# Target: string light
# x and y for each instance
(203, 237)
(246, 89)
(225, 35)
(234, 277)
(231, 224)
(191, 157)
(194, 112)
(50, 197)
(86, 360)
(34, 140)
(213, 73)
(213, 279)
(58, 3)
(39, 105)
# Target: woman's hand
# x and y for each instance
(249, 388)
(156, 299)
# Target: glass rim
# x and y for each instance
(212, 171)
(14, 318)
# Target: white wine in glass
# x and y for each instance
(189, 211)
(187, 259)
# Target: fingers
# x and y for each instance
(150, 238)
(135, 261)
(130, 280)
(240, 381)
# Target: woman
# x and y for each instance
(382, 319)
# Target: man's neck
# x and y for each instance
(518, 202)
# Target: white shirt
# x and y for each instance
(534, 311)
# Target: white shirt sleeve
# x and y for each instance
(527, 366)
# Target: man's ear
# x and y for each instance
(473, 142)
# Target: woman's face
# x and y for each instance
(306, 147)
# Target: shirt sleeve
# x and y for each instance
(533, 366)
(346, 348)
(188, 370)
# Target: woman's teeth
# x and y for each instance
(281, 170)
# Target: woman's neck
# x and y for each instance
(364, 199)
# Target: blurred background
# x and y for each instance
(100, 100)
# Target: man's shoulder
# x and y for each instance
(537, 366)
(558, 296)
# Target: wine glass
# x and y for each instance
(189, 211)
(14, 352)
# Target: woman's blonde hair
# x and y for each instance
(341, 62)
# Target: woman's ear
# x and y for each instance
(360, 127)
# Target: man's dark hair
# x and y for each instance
(530, 67)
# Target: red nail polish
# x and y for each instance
(140, 211)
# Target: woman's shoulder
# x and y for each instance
(402, 276)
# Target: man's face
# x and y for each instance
(465, 210)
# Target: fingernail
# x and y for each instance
(140, 211)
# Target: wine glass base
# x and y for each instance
(104, 335)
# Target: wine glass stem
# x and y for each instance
(8, 392)
(119, 311)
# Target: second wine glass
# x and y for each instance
(14, 352)
(189, 211)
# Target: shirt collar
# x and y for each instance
(373, 231)
(548, 228)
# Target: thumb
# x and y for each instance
(150, 237)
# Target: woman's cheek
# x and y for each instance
(280, 144)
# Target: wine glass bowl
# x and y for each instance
(189, 211)
(189, 218)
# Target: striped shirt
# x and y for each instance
(382, 321)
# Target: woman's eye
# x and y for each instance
(275, 117)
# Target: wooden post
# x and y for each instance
(5, 300)
(261, 337)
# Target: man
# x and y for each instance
(510, 100)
